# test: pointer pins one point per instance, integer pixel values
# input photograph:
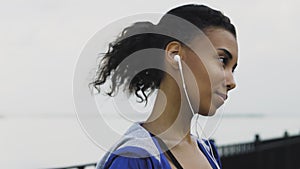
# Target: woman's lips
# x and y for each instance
(224, 96)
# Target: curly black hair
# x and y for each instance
(130, 41)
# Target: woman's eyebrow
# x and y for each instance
(229, 55)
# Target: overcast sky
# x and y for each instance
(41, 41)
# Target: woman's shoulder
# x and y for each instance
(138, 139)
(135, 148)
(131, 157)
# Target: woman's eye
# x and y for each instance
(223, 60)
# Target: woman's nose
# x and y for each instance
(229, 79)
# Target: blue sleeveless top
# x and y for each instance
(138, 150)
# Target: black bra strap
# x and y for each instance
(169, 153)
(174, 160)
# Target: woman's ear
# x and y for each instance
(173, 48)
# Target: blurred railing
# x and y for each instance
(81, 166)
(279, 153)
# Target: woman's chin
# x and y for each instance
(208, 113)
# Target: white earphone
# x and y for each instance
(177, 58)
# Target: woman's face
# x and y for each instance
(212, 69)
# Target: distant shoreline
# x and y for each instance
(248, 115)
(258, 115)
(74, 115)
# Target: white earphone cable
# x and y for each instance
(177, 58)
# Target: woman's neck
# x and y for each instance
(168, 120)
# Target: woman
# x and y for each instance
(195, 79)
